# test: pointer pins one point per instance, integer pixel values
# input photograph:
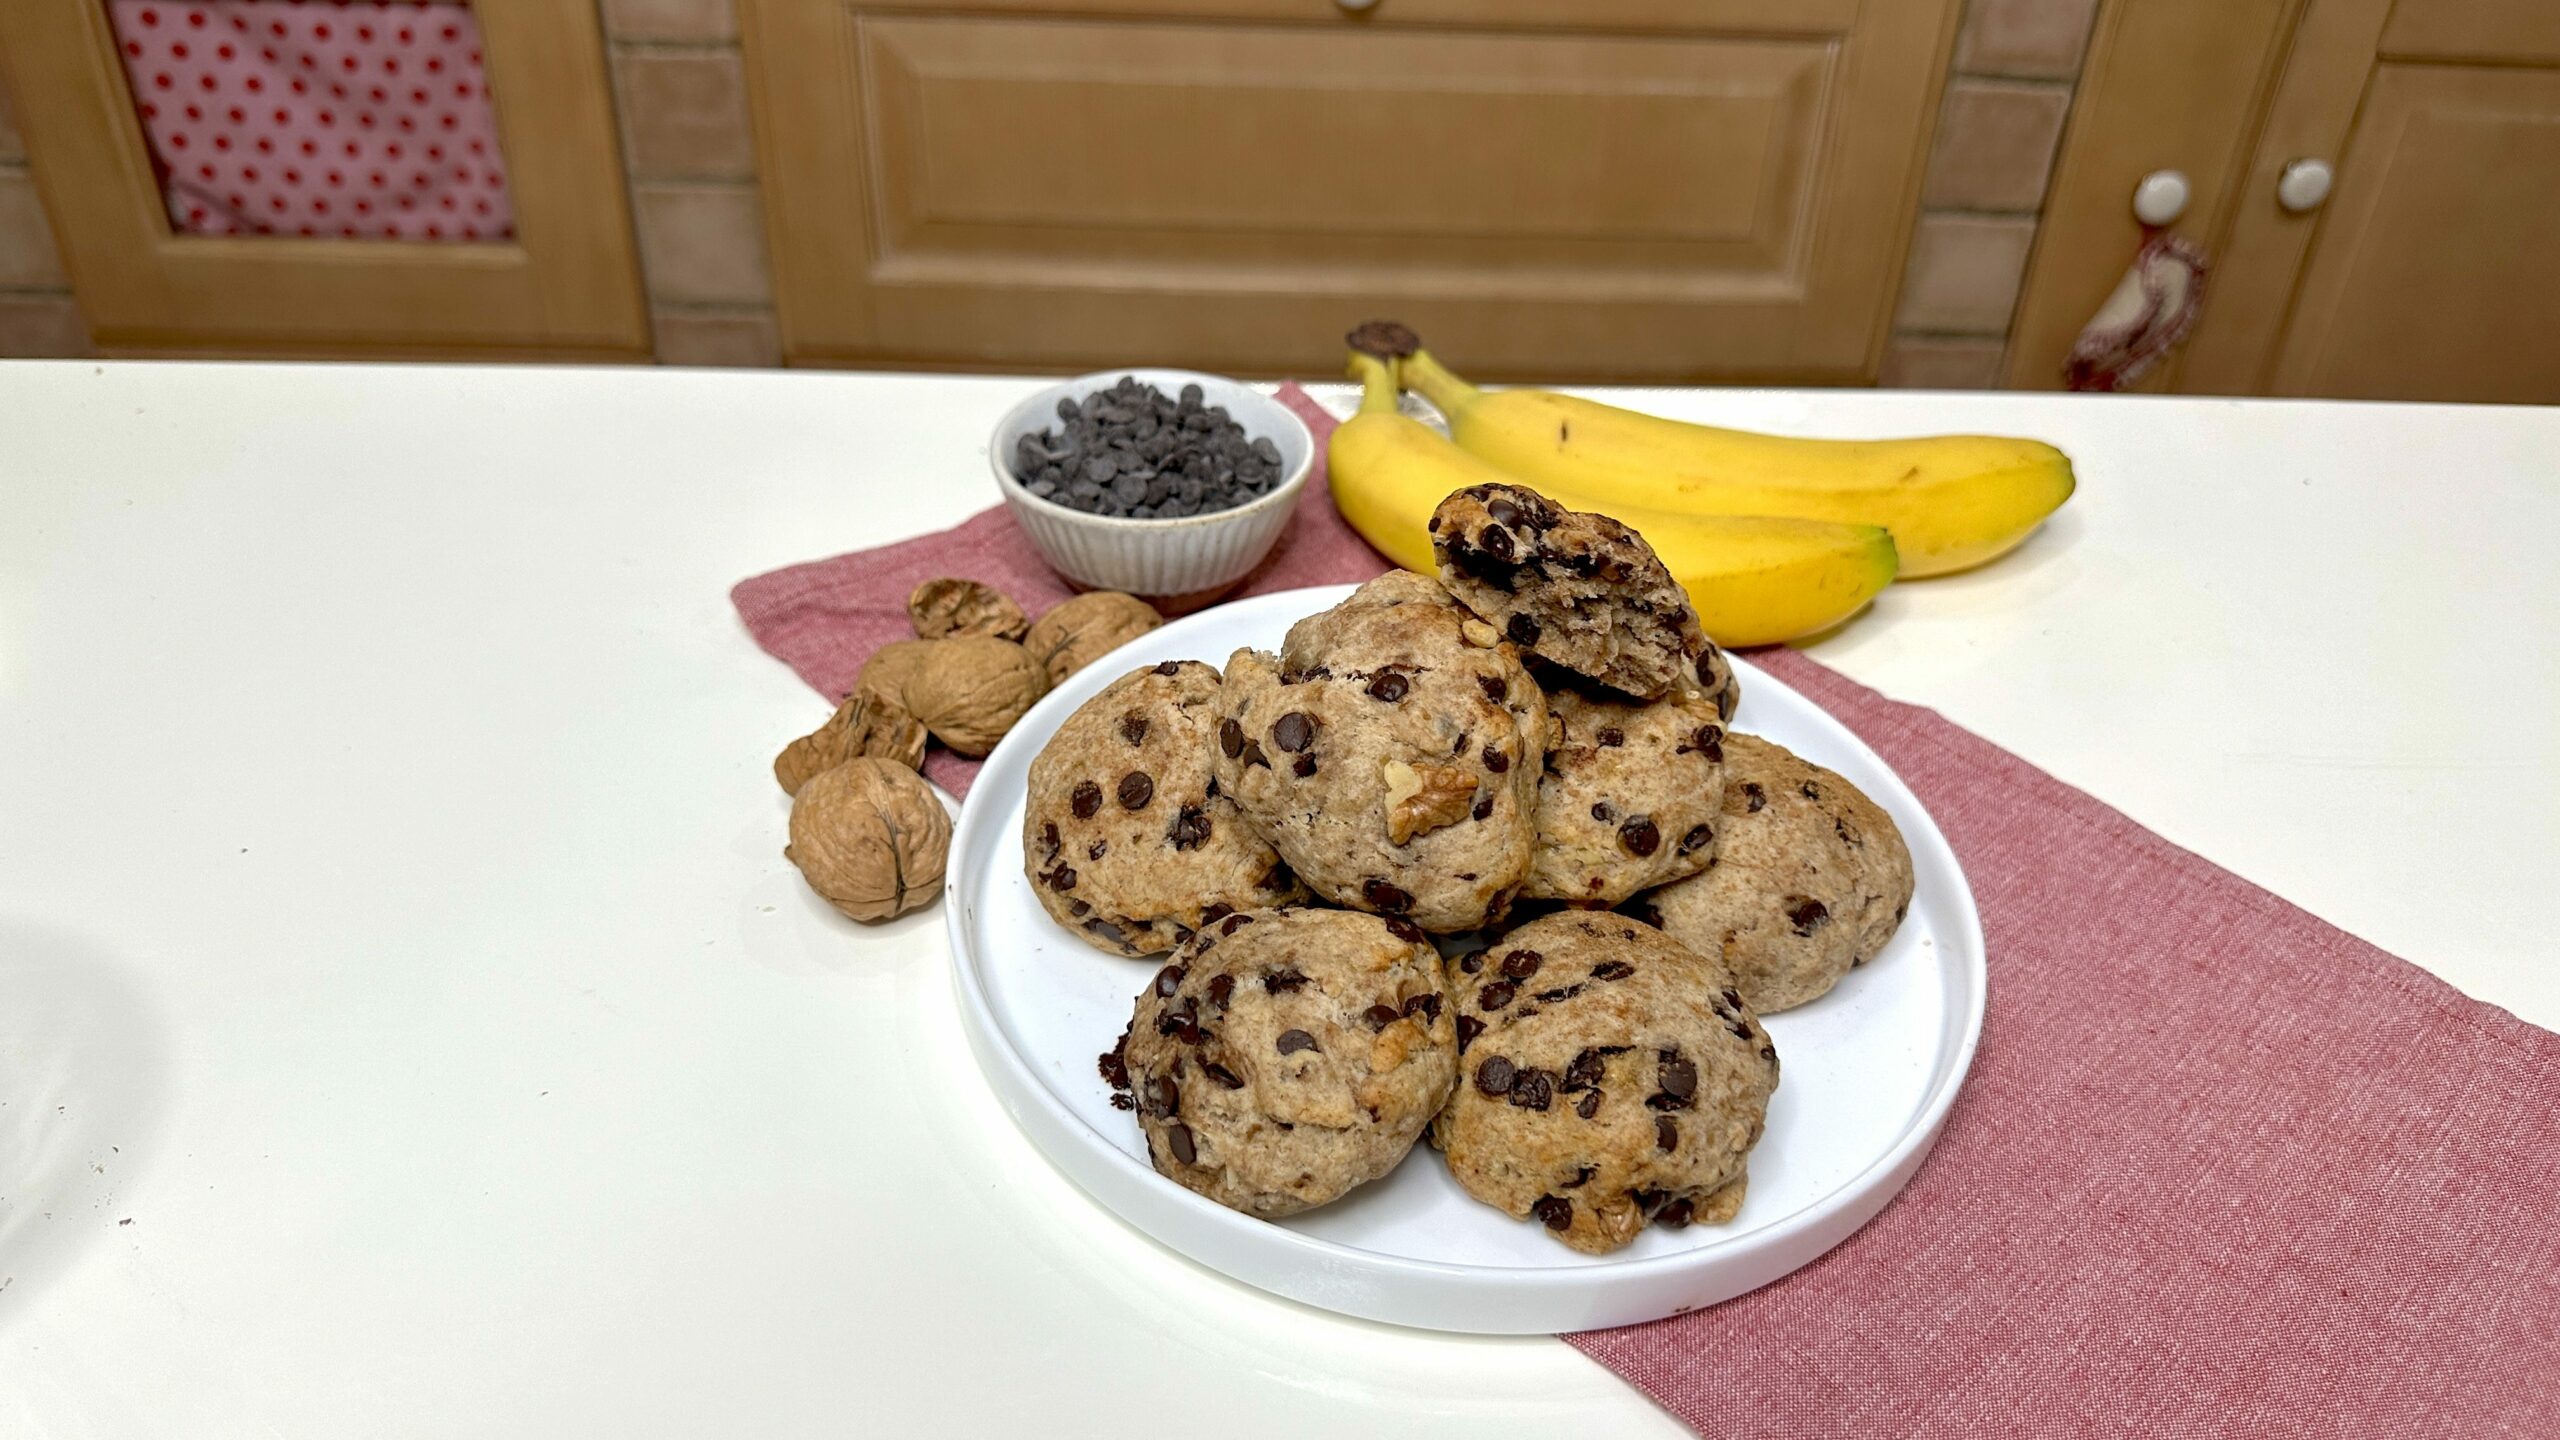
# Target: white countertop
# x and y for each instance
(409, 1026)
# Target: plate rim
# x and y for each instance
(986, 1034)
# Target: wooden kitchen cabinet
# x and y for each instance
(2426, 273)
(1637, 189)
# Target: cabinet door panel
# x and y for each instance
(1063, 192)
(2431, 276)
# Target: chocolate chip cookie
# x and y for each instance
(1288, 1056)
(1580, 591)
(1630, 796)
(1810, 879)
(1390, 753)
(1608, 1078)
(1126, 836)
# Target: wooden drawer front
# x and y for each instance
(2505, 31)
(1021, 190)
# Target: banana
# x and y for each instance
(1951, 501)
(1755, 580)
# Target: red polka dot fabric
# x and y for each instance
(366, 120)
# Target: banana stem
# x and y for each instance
(1377, 384)
(1449, 394)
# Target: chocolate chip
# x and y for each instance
(1532, 1090)
(1502, 510)
(1769, 1053)
(1190, 829)
(1079, 909)
(1086, 799)
(1404, 930)
(1580, 1178)
(1674, 1216)
(1522, 629)
(1495, 760)
(1611, 737)
(1136, 789)
(1707, 666)
(1426, 1006)
(1162, 1098)
(1679, 1077)
(1809, 790)
(1497, 543)
(1698, 836)
(1588, 1106)
(1469, 1027)
(1389, 686)
(1177, 1138)
(1725, 702)
(1303, 766)
(1133, 728)
(1063, 879)
(1757, 797)
(1169, 980)
(1222, 988)
(1709, 741)
(1230, 738)
(1496, 689)
(1233, 923)
(1560, 993)
(1293, 1041)
(1221, 1074)
(1253, 754)
(1484, 807)
(1381, 1016)
(1281, 982)
(1521, 964)
(1115, 1061)
(1666, 1135)
(1049, 839)
(1384, 896)
(1471, 962)
(1640, 836)
(1612, 970)
(1807, 914)
(1604, 812)
(1553, 1211)
(1294, 731)
(1740, 1027)
(1586, 1070)
(1493, 1077)
(1496, 995)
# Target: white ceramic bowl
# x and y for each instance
(1185, 558)
(1870, 1068)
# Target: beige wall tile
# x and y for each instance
(1964, 273)
(2029, 39)
(671, 20)
(27, 257)
(1995, 144)
(716, 337)
(702, 244)
(685, 114)
(13, 146)
(42, 327)
(1935, 362)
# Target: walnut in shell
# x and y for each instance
(892, 665)
(868, 723)
(969, 691)
(1081, 629)
(942, 609)
(870, 837)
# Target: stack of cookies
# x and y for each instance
(1523, 763)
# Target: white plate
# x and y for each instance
(1869, 1070)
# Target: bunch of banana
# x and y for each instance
(1710, 500)
(1755, 579)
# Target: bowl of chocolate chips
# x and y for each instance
(1170, 484)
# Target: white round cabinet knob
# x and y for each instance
(2303, 185)
(2161, 197)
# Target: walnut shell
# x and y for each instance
(1080, 630)
(969, 691)
(942, 609)
(868, 723)
(870, 837)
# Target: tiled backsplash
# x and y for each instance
(2017, 63)
(680, 91)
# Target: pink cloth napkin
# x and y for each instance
(2220, 1169)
